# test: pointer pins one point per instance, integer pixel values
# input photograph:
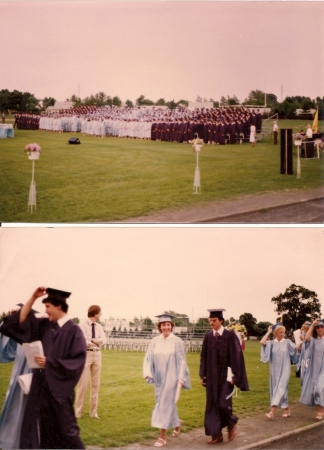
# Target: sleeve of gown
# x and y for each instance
(8, 348)
(27, 331)
(309, 348)
(237, 363)
(63, 374)
(293, 352)
(266, 351)
(182, 365)
(148, 364)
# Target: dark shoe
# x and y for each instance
(231, 432)
(216, 439)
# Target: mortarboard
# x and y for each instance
(320, 323)
(213, 313)
(56, 294)
(165, 317)
(278, 324)
(307, 324)
(33, 310)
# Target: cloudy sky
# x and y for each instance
(170, 49)
(136, 271)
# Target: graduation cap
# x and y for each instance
(165, 317)
(216, 313)
(276, 325)
(33, 310)
(320, 323)
(307, 324)
(57, 295)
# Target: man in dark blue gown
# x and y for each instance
(221, 360)
(49, 419)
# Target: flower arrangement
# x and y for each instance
(237, 327)
(33, 151)
(298, 137)
(32, 148)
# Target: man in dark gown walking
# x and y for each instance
(222, 368)
(49, 419)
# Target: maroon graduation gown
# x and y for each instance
(216, 356)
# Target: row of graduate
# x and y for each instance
(179, 131)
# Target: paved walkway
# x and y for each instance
(252, 432)
(228, 208)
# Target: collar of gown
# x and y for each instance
(162, 337)
(276, 340)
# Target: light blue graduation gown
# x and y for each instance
(15, 402)
(313, 383)
(280, 354)
(165, 364)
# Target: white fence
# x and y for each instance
(141, 345)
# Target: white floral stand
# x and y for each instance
(196, 185)
(33, 156)
(298, 143)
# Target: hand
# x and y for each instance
(203, 381)
(270, 329)
(97, 342)
(40, 291)
(181, 383)
(40, 360)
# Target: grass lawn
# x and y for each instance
(126, 401)
(110, 179)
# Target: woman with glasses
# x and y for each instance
(313, 383)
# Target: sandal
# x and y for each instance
(287, 413)
(319, 416)
(270, 415)
(160, 442)
(175, 432)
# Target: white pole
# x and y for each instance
(32, 190)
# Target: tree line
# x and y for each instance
(16, 101)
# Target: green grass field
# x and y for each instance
(111, 179)
(126, 401)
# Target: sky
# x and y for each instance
(162, 49)
(143, 271)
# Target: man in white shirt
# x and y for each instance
(95, 339)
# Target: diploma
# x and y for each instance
(31, 350)
(229, 375)
(25, 382)
(177, 396)
(298, 341)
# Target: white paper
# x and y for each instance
(31, 350)
(25, 382)
(298, 341)
(229, 375)
(177, 396)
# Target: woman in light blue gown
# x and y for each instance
(280, 352)
(165, 366)
(302, 362)
(14, 406)
(313, 383)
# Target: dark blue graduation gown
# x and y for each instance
(216, 356)
(50, 400)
